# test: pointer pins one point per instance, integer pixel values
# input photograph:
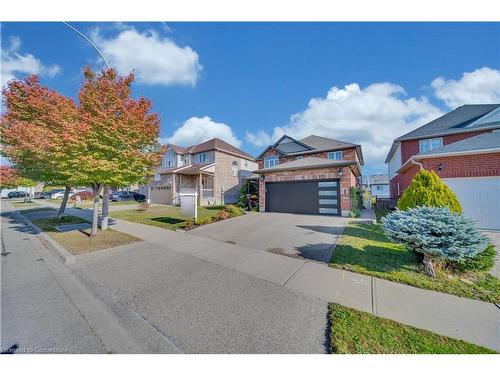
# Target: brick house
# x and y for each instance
(463, 148)
(309, 176)
(214, 169)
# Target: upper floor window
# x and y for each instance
(271, 161)
(202, 157)
(430, 144)
(169, 160)
(299, 157)
(335, 155)
(234, 168)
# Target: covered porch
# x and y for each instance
(199, 178)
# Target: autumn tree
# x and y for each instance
(120, 138)
(8, 177)
(40, 133)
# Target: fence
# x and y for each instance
(386, 203)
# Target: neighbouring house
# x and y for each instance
(378, 185)
(309, 176)
(215, 169)
(463, 148)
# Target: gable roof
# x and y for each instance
(312, 144)
(212, 144)
(322, 143)
(464, 119)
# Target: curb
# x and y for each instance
(60, 251)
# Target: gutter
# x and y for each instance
(326, 165)
(444, 155)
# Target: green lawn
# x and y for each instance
(89, 204)
(356, 332)
(168, 217)
(363, 248)
(79, 242)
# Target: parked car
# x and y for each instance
(39, 195)
(17, 194)
(139, 197)
(84, 195)
(55, 194)
(119, 196)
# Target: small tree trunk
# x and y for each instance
(428, 266)
(96, 188)
(105, 208)
(64, 202)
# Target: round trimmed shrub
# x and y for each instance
(427, 189)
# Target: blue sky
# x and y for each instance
(249, 83)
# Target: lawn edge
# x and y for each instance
(48, 241)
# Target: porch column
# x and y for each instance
(200, 195)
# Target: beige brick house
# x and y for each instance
(309, 176)
(214, 169)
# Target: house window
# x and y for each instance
(430, 144)
(299, 157)
(234, 168)
(271, 161)
(379, 187)
(169, 160)
(202, 157)
(335, 155)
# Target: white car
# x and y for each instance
(60, 195)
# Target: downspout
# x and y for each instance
(412, 160)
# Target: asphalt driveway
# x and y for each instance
(306, 236)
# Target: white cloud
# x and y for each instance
(372, 116)
(199, 129)
(156, 60)
(14, 63)
(482, 86)
(259, 139)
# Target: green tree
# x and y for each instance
(427, 189)
(435, 232)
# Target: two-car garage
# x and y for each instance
(304, 197)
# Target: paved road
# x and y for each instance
(36, 312)
(305, 236)
(45, 308)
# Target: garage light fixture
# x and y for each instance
(340, 172)
(440, 167)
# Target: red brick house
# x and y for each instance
(463, 148)
(309, 176)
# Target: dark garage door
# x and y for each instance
(304, 197)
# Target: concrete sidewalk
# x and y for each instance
(470, 320)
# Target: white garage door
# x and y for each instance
(479, 198)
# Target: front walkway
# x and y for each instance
(470, 320)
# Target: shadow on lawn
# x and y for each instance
(168, 220)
